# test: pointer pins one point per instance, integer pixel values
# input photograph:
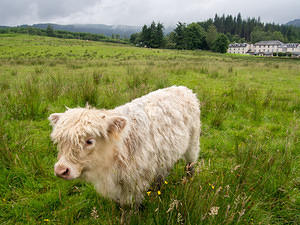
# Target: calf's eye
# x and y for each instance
(89, 142)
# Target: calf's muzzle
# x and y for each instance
(62, 171)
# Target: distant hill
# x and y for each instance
(108, 30)
(295, 23)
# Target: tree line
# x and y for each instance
(185, 36)
(215, 34)
(50, 32)
(252, 29)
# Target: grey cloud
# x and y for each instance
(61, 8)
(32, 11)
(10, 11)
(139, 12)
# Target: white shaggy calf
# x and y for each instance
(122, 151)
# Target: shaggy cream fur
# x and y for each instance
(121, 151)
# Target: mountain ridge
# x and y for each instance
(124, 31)
(295, 22)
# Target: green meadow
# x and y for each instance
(249, 165)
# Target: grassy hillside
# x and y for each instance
(248, 170)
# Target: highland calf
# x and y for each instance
(122, 151)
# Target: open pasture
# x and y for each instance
(249, 165)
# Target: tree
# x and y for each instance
(239, 24)
(50, 31)
(221, 44)
(152, 36)
(257, 35)
(152, 33)
(159, 35)
(169, 41)
(195, 36)
(135, 38)
(145, 36)
(190, 36)
(277, 36)
(211, 36)
(179, 36)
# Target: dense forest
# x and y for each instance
(191, 36)
(215, 34)
(252, 29)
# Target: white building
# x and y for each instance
(265, 48)
(239, 48)
(290, 47)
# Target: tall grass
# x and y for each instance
(248, 170)
(25, 101)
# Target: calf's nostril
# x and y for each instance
(66, 172)
(62, 171)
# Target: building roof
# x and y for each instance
(292, 45)
(233, 45)
(269, 43)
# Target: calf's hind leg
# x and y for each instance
(192, 153)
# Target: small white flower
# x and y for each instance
(214, 211)
(94, 213)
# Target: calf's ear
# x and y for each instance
(116, 125)
(53, 118)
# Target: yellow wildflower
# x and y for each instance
(212, 186)
(46, 220)
(166, 182)
(148, 193)
(158, 192)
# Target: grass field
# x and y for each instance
(249, 166)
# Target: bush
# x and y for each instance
(281, 54)
(221, 44)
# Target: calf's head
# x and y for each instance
(85, 139)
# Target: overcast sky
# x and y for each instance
(139, 12)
